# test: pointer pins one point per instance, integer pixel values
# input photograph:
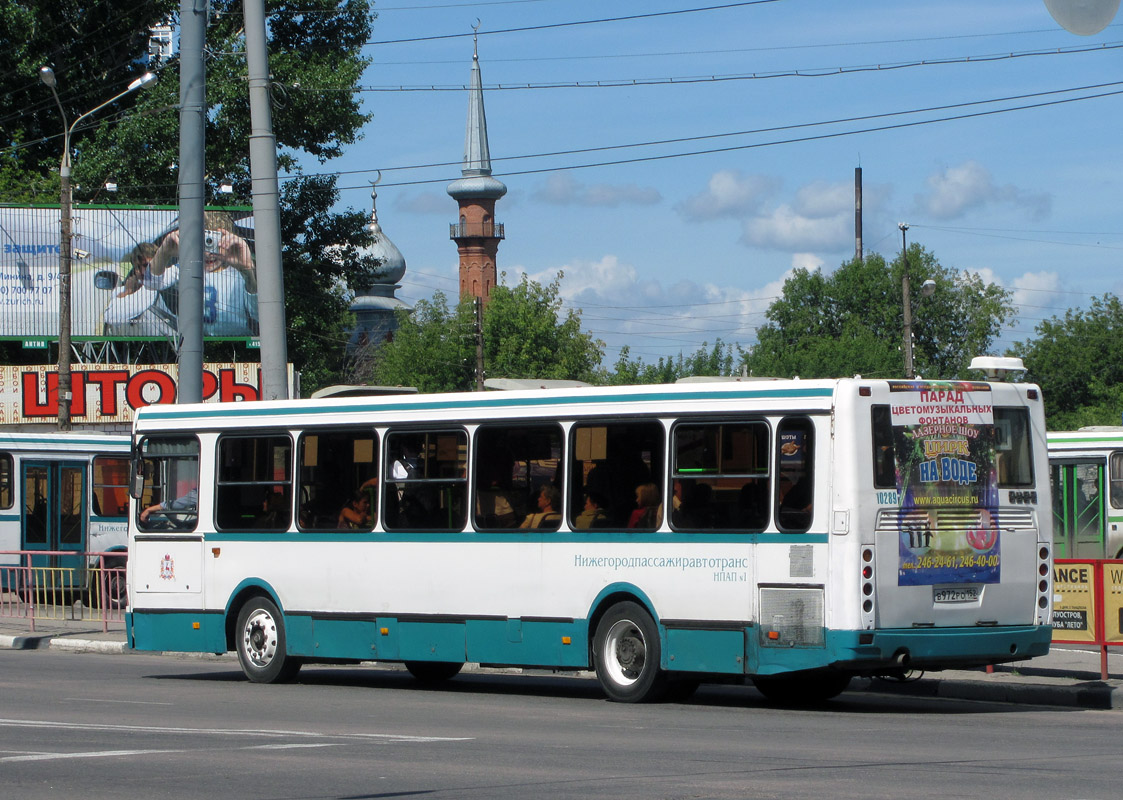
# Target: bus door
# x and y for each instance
(53, 515)
(1078, 508)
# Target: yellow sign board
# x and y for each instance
(1074, 601)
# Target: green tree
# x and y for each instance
(719, 360)
(851, 322)
(433, 348)
(525, 335)
(1078, 363)
(315, 61)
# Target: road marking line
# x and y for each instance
(397, 737)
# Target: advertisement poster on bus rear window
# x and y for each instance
(944, 444)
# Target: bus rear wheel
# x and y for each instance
(433, 671)
(802, 691)
(626, 655)
(261, 643)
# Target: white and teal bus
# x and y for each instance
(63, 496)
(794, 533)
(1086, 473)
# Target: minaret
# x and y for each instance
(477, 234)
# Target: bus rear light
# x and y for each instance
(1043, 586)
(1043, 569)
(1043, 553)
(868, 574)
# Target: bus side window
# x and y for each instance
(721, 476)
(5, 480)
(338, 480)
(426, 480)
(111, 486)
(254, 483)
(884, 459)
(169, 499)
(1115, 471)
(795, 460)
(512, 467)
(611, 461)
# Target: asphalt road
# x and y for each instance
(150, 726)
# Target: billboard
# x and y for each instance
(104, 393)
(124, 273)
(944, 442)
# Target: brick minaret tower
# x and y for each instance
(476, 234)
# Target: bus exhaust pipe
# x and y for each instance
(901, 659)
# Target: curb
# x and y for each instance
(33, 642)
(1089, 695)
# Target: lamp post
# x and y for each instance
(66, 200)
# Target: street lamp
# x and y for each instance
(47, 76)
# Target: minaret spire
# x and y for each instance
(477, 234)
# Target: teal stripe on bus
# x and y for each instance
(520, 538)
(241, 409)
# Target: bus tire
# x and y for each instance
(626, 655)
(802, 691)
(115, 584)
(261, 643)
(433, 671)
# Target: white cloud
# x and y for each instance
(563, 190)
(969, 186)
(787, 228)
(729, 193)
(426, 203)
(621, 307)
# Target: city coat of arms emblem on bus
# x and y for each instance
(167, 568)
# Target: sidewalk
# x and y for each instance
(1069, 676)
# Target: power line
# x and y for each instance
(575, 23)
(813, 72)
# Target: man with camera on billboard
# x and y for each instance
(229, 276)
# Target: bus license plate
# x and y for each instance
(965, 594)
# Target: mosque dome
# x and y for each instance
(391, 263)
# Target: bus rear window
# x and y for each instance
(1013, 456)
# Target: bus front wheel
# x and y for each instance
(261, 643)
(626, 655)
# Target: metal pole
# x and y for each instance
(906, 303)
(266, 209)
(192, 198)
(65, 240)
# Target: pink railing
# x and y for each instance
(91, 591)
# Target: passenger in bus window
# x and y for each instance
(548, 515)
(696, 510)
(593, 515)
(174, 509)
(274, 510)
(355, 515)
(795, 502)
(648, 514)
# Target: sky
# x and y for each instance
(675, 160)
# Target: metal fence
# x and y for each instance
(90, 588)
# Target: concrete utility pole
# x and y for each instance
(479, 304)
(906, 303)
(266, 209)
(192, 197)
(858, 214)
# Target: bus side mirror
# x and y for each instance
(136, 482)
